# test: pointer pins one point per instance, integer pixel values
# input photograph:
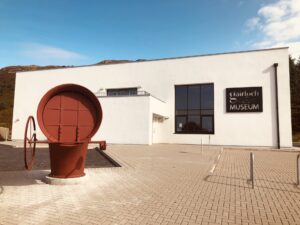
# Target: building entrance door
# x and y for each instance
(157, 122)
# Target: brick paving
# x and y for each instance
(160, 184)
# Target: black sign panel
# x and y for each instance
(246, 99)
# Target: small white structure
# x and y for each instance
(221, 99)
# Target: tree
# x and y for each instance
(295, 94)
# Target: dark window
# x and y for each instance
(181, 96)
(207, 96)
(194, 97)
(207, 123)
(121, 92)
(194, 109)
(180, 124)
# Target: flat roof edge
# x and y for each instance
(171, 58)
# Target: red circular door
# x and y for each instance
(69, 116)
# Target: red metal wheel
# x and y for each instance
(29, 143)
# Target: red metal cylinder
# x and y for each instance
(69, 115)
(67, 161)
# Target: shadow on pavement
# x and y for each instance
(13, 173)
(232, 181)
(22, 178)
(226, 181)
(279, 189)
(274, 181)
(12, 159)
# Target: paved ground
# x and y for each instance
(160, 184)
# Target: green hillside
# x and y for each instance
(295, 97)
(7, 88)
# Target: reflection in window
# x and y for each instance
(180, 124)
(181, 95)
(207, 96)
(121, 92)
(193, 124)
(193, 97)
(207, 123)
(194, 109)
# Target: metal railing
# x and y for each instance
(252, 169)
(298, 170)
(138, 93)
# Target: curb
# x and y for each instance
(108, 157)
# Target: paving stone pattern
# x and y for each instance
(160, 184)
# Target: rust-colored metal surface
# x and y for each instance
(67, 160)
(69, 115)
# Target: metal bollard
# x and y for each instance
(252, 169)
(298, 170)
(201, 147)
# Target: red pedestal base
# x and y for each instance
(66, 160)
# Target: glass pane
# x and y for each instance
(133, 91)
(181, 97)
(181, 112)
(193, 125)
(194, 97)
(180, 123)
(207, 124)
(207, 112)
(122, 92)
(207, 96)
(195, 112)
(112, 93)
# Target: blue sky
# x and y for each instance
(75, 32)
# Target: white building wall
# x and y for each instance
(243, 69)
(125, 120)
(157, 132)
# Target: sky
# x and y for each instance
(76, 32)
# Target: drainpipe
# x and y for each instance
(277, 112)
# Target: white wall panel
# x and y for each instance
(244, 69)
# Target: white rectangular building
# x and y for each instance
(221, 99)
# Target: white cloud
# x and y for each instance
(262, 44)
(294, 47)
(278, 23)
(253, 23)
(272, 13)
(45, 54)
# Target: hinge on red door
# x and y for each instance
(77, 134)
(59, 132)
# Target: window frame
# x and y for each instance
(187, 110)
